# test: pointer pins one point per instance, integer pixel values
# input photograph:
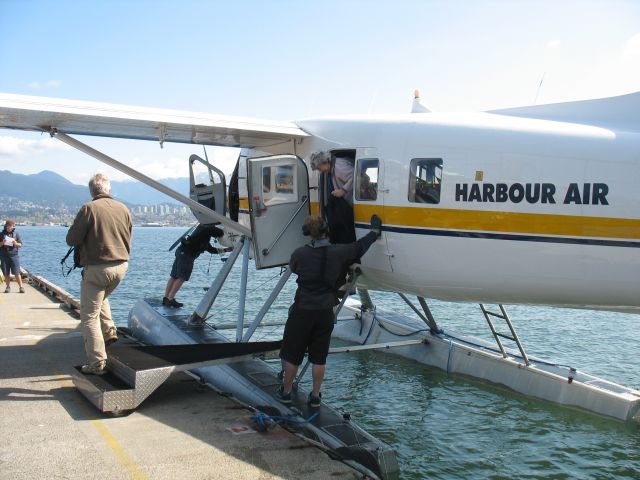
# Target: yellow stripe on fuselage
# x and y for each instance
(503, 222)
(492, 221)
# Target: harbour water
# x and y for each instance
(442, 426)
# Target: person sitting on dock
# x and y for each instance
(10, 243)
(320, 267)
(102, 233)
(190, 248)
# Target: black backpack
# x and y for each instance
(76, 261)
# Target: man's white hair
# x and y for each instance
(99, 185)
(319, 158)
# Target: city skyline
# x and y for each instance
(34, 213)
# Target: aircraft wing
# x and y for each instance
(617, 113)
(22, 112)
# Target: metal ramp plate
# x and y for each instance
(129, 362)
(107, 392)
(135, 372)
(255, 383)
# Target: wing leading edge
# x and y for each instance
(22, 112)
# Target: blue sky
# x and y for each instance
(292, 59)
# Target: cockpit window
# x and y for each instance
(367, 179)
(425, 180)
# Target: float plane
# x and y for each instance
(533, 205)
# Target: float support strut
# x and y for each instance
(202, 310)
(267, 304)
(243, 289)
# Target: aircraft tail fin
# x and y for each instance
(620, 113)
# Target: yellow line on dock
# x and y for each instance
(124, 459)
(118, 451)
(39, 343)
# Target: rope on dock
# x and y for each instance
(264, 422)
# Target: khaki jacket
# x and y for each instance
(101, 231)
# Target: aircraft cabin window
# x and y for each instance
(367, 179)
(278, 184)
(425, 180)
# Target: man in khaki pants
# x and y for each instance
(101, 232)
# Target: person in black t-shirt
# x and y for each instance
(320, 267)
(190, 248)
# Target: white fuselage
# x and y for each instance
(530, 211)
(482, 207)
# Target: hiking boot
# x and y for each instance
(283, 397)
(98, 369)
(166, 302)
(21, 289)
(111, 336)
(175, 303)
(7, 290)
(314, 402)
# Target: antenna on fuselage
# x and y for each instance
(417, 106)
(535, 100)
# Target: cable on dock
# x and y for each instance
(264, 422)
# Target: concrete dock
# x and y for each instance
(49, 430)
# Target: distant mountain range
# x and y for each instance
(51, 188)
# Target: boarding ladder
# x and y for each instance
(135, 371)
(497, 335)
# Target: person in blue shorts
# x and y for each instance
(190, 248)
(10, 243)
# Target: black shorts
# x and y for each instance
(10, 264)
(182, 265)
(307, 330)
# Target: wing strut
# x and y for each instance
(152, 183)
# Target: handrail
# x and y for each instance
(265, 251)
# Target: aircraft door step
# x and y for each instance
(135, 371)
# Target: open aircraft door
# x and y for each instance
(207, 186)
(278, 191)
